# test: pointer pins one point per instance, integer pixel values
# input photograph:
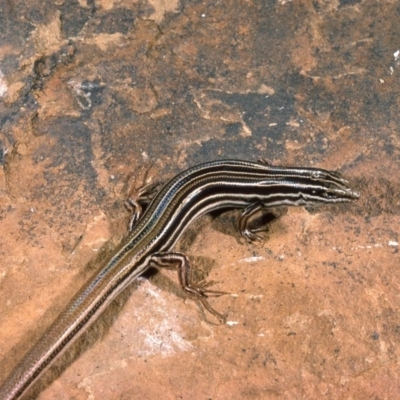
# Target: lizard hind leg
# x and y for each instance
(139, 197)
(200, 292)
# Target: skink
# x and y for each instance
(251, 186)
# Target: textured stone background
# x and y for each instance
(90, 91)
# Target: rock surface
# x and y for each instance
(90, 92)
